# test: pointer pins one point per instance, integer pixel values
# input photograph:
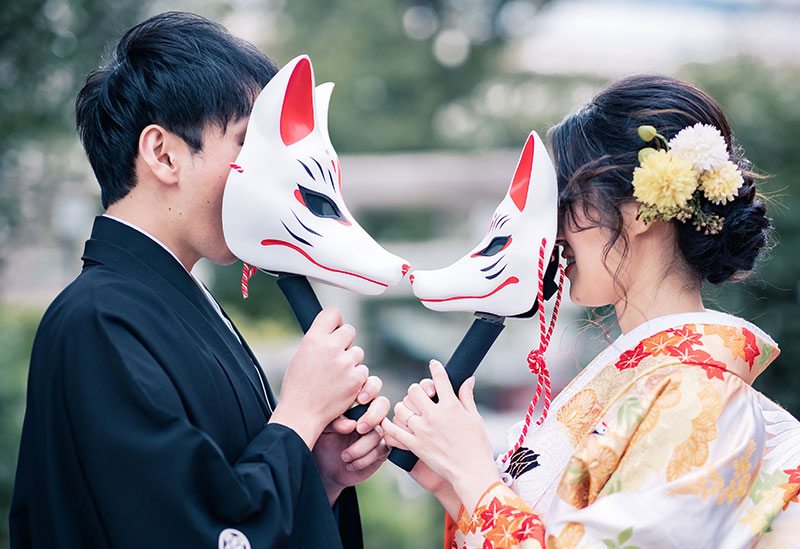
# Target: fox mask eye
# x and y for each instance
(319, 204)
(497, 244)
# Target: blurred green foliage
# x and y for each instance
(413, 521)
(390, 86)
(17, 329)
(47, 47)
(763, 106)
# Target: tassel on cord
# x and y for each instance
(247, 272)
(536, 362)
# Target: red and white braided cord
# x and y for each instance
(536, 362)
(247, 272)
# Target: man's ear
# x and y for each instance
(158, 150)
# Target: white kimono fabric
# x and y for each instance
(660, 442)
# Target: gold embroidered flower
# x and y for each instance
(579, 415)
(664, 181)
(722, 185)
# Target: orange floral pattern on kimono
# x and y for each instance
(687, 450)
(502, 521)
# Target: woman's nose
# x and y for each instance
(560, 237)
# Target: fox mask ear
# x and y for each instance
(499, 276)
(522, 176)
(297, 112)
(282, 208)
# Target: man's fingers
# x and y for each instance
(354, 355)
(370, 390)
(341, 425)
(378, 453)
(327, 321)
(344, 336)
(361, 447)
(377, 410)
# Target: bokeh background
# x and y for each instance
(433, 101)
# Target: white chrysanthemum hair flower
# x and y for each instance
(702, 145)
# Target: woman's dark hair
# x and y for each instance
(178, 70)
(596, 150)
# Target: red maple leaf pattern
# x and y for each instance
(714, 371)
(490, 515)
(698, 357)
(632, 357)
(659, 343)
(531, 527)
(686, 336)
(751, 350)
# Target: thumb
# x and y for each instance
(466, 396)
(342, 425)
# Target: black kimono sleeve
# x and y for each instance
(113, 428)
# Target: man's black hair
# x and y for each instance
(178, 70)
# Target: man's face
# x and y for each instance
(206, 176)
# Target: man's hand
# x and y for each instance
(323, 378)
(349, 452)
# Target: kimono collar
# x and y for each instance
(714, 340)
(140, 249)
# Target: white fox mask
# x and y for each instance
(500, 275)
(282, 209)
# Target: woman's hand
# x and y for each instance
(439, 487)
(449, 435)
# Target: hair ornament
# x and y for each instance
(672, 176)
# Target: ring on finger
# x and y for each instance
(409, 416)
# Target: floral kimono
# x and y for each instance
(660, 442)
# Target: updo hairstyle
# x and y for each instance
(595, 152)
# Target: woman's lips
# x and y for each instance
(570, 265)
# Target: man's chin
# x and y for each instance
(223, 258)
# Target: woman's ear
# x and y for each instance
(158, 150)
(633, 224)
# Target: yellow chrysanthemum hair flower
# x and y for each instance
(722, 185)
(664, 181)
(670, 181)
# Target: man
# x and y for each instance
(149, 422)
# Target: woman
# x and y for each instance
(661, 441)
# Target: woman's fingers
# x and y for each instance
(441, 382)
(395, 436)
(428, 386)
(417, 399)
(466, 396)
(403, 412)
